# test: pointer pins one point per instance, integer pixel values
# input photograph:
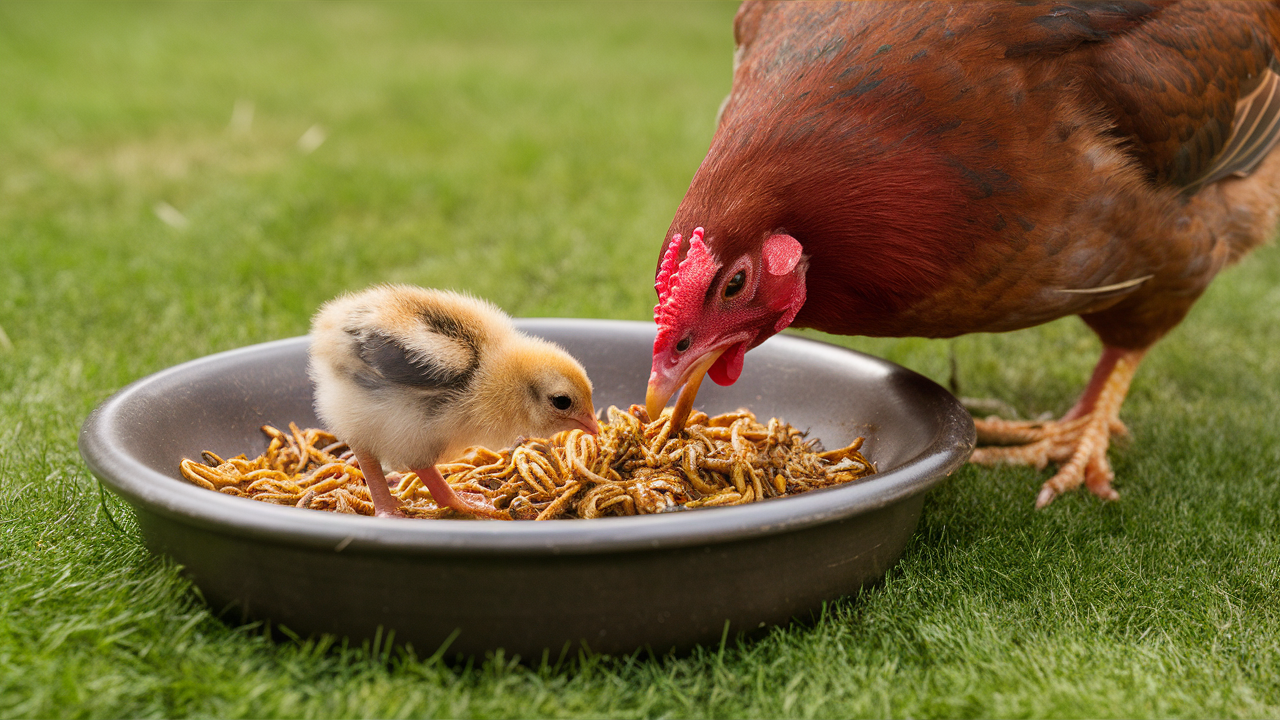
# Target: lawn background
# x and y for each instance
(533, 154)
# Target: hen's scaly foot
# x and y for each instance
(1079, 446)
(1078, 442)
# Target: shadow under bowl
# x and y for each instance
(614, 584)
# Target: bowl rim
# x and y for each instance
(172, 498)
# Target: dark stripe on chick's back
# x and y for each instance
(397, 364)
(447, 325)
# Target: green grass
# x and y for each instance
(533, 154)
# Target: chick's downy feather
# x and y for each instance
(413, 376)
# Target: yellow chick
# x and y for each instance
(408, 376)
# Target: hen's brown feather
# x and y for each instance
(987, 167)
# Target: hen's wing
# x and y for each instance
(1195, 87)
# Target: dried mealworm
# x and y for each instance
(635, 465)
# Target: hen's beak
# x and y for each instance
(661, 389)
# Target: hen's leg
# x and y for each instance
(384, 503)
(462, 502)
(1078, 441)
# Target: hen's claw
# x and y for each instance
(1078, 442)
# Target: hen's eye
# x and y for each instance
(561, 402)
(682, 345)
(734, 286)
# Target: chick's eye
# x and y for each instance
(561, 402)
(735, 284)
(682, 345)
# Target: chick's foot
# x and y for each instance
(384, 503)
(467, 503)
(1078, 442)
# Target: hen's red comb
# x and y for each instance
(665, 271)
(682, 284)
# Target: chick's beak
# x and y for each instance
(589, 423)
(663, 386)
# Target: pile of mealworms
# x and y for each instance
(633, 467)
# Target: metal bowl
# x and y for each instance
(616, 584)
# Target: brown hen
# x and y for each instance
(940, 169)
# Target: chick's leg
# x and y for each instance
(462, 502)
(1078, 441)
(384, 503)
